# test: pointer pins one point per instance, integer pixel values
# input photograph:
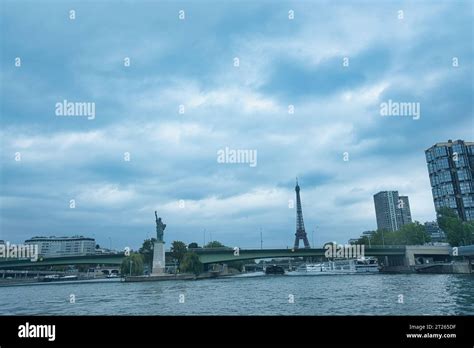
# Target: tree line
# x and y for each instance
(182, 255)
(457, 232)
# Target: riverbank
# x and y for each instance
(32, 281)
(460, 267)
(184, 276)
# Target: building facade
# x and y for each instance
(63, 246)
(391, 210)
(435, 232)
(405, 212)
(368, 234)
(451, 171)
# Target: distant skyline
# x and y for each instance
(305, 92)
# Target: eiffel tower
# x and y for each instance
(300, 231)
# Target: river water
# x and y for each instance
(373, 294)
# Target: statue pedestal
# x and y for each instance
(158, 267)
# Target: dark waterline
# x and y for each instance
(376, 294)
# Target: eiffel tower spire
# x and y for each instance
(300, 231)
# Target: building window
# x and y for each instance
(459, 148)
(429, 155)
(470, 149)
(462, 174)
(461, 162)
(470, 214)
(441, 151)
(442, 163)
(468, 201)
(465, 187)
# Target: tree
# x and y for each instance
(178, 250)
(136, 263)
(469, 232)
(409, 234)
(191, 263)
(362, 240)
(457, 231)
(214, 244)
(193, 245)
(97, 246)
(147, 251)
(412, 234)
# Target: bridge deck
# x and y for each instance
(113, 259)
(210, 255)
(216, 255)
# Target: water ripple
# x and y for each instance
(318, 295)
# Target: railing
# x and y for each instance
(299, 249)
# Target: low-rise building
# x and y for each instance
(435, 232)
(63, 246)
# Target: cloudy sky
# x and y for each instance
(400, 56)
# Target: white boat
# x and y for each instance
(342, 266)
(367, 265)
(57, 277)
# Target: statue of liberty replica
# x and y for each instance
(158, 267)
(160, 228)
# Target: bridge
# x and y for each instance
(466, 251)
(219, 255)
(207, 256)
(390, 255)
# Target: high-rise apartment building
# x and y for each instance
(392, 211)
(451, 171)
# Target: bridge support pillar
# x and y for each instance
(409, 258)
(158, 259)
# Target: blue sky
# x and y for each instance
(190, 62)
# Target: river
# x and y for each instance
(373, 294)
